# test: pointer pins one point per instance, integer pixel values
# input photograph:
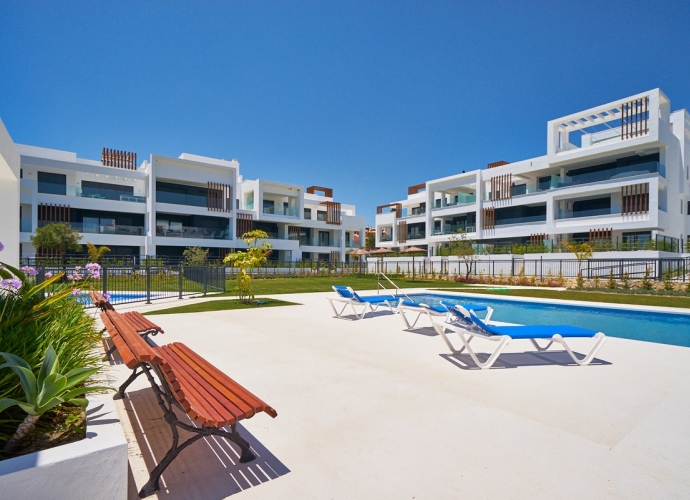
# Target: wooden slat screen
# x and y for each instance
(244, 224)
(327, 192)
(119, 159)
(634, 121)
(416, 188)
(489, 218)
(402, 231)
(600, 235)
(501, 187)
(397, 206)
(293, 232)
(53, 213)
(635, 199)
(333, 212)
(219, 197)
(497, 164)
(537, 239)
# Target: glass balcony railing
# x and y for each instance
(112, 195)
(193, 232)
(108, 229)
(462, 200)
(290, 212)
(615, 173)
(192, 200)
(319, 242)
(585, 213)
(520, 220)
(453, 229)
(25, 225)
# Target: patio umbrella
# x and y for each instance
(359, 253)
(381, 251)
(413, 251)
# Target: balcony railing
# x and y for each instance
(108, 229)
(290, 212)
(462, 200)
(25, 225)
(453, 229)
(615, 173)
(193, 232)
(116, 197)
(585, 213)
(520, 220)
(317, 242)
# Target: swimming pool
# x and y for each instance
(120, 297)
(664, 328)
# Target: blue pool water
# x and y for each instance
(664, 328)
(118, 297)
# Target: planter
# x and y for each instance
(93, 468)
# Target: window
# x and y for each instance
(52, 183)
(519, 189)
(105, 191)
(307, 213)
(320, 215)
(269, 207)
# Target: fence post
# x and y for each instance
(660, 272)
(205, 274)
(179, 280)
(148, 284)
(104, 279)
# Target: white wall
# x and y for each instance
(9, 198)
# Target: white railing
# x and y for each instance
(380, 286)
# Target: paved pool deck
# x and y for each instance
(368, 410)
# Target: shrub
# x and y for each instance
(646, 282)
(596, 280)
(611, 283)
(561, 280)
(626, 281)
(580, 280)
(30, 322)
(668, 284)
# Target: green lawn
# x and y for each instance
(270, 286)
(221, 305)
(582, 295)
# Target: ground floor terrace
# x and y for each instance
(368, 410)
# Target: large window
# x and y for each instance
(180, 194)
(52, 183)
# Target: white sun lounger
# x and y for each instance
(504, 334)
(446, 311)
(348, 297)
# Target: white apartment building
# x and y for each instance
(165, 204)
(616, 173)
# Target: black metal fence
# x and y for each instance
(137, 284)
(674, 268)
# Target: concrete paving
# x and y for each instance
(367, 410)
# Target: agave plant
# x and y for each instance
(45, 392)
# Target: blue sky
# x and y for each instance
(364, 97)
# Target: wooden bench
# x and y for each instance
(188, 382)
(136, 320)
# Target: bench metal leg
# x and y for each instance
(121, 391)
(166, 402)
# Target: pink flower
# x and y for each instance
(76, 291)
(49, 274)
(29, 271)
(14, 283)
(2, 247)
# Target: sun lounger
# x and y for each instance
(348, 297)
(504, 334)
(445, 311)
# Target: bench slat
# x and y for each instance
(239, 396)
(126, 354)
(200, 393)
(141, 350)
(140, 323)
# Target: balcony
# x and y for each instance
(192, 232)
(318, 242)
(595, 212)
(613, 173)
(460, 200)
(289, 212)
(108, 229)
(520, 220)
(25, 225)
(453, 229)
(121, 197)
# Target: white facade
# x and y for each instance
(165, 204)
(9, 198)
(618, 172)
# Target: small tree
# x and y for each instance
(195, 256)
(582, 251)
(370, 241)
(461, 245)
(646, 282)
(611, 283)
(668, 284)
(626, 281)
(58, 237)
(255, 255)
(95, 252)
